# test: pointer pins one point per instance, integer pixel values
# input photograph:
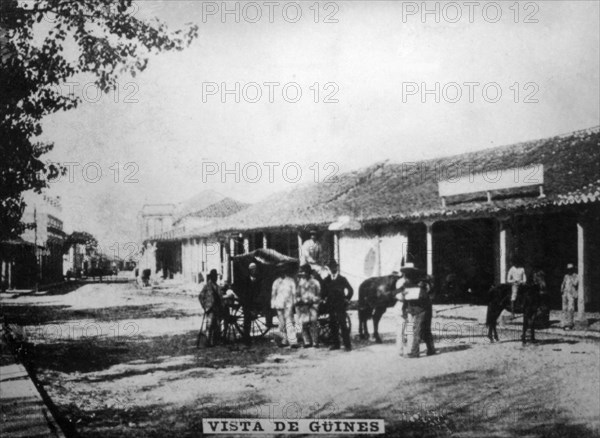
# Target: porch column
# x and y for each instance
(378, 254)
(299, 246)
(231, 254)
(203, 253)
(3, 276)
(11, 285)
(581, 271)
(336, 247)
(429, 225)
(502, 249)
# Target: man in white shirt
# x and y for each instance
(515, 277)
(283, 295)
(311, 251)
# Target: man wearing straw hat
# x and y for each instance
(416, 298)
(308, 297)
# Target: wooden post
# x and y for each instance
(264, 242)
(299, 246)
(231, 255)
(336, 248)
(11, 285)
(502, 253)
(378, 253)
(581, 271)
(429, 225)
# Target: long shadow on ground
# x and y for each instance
(96, 354)
(29, 314)
(158, 420)
(470, 403)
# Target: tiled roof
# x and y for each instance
(386, 192)
(220, 209)
(224, 207)
(158, 209)
(587, 194)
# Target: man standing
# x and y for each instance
(515, 277)
(539, 280)
(253, 290)
(210, 300)
(416, 290)
(282, 299)
(569, 290)
(308, 297)
(337, 293)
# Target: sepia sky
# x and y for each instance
(160, 123)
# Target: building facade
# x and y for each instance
(462, 218)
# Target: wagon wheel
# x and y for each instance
(325, 334)
(324, 329)
(232, 324)
(258, 325)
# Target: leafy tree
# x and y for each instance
(45, 45)
(81, 238)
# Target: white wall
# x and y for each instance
(365, 254)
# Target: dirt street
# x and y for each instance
(117, 361)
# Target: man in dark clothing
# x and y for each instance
(338, 294)
(211, 301)
(418, 303)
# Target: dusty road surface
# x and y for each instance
(120, 362)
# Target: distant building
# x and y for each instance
(154, 219)
(37, 256)
(177, 251)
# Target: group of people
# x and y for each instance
(298, 300)
(569, 290)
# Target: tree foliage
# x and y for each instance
(44, 45)
(81, 238)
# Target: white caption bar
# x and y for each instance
(223, 426)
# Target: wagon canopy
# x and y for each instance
(268, 261)
(267, 258)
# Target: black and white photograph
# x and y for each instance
(299, 218)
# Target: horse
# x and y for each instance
(375, 295)
(528, 302)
